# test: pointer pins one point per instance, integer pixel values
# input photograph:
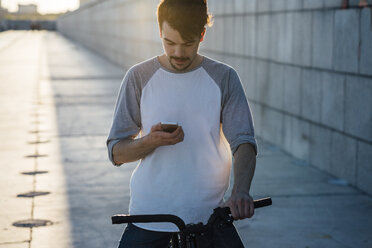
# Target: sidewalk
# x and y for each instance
(56, 103)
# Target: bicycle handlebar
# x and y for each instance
(124, 218)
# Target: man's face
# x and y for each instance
(180, 53)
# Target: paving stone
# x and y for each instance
(366, 39)
(346, 40)
(358, 107)
(332, 104)
(322, 39)
(364, 167)
(344, 154)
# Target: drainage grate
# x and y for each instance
(39, 142)
(33, 194)
(36, 156)
(32, 223)
(31, 173)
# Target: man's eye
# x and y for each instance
(170, 44)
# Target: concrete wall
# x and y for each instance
(306, 66)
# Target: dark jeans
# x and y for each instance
(135, 237)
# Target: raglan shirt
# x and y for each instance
(190, 178)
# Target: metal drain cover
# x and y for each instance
(33, 194)
(36, 156)
(39, 142)
(31, 173)
(32, 223)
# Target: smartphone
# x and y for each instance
(169, 127)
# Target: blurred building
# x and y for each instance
(27, 9)
(82, 2)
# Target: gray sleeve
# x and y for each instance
(126, 122)
(237, 123)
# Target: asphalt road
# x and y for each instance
(56, 105)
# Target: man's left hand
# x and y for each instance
(241, 205)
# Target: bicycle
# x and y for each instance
(191, 235)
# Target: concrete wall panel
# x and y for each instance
(322, 39)
(332, 105)
(358, 107)
(302, 38)
(311, 95)
(344, 153)
(320, 147)
(250, 33)
(346, 42)
(364, 166)
(275, 86)
(263, 38)
(294, 4)
(300, 139)
(366, 42)
(278, 5)
(312, 4)
(292, 90)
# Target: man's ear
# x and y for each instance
(202, 35)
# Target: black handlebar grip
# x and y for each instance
(262, 202)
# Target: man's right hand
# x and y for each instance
(129, 150)
(157, 137)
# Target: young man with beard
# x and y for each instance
(185, 172)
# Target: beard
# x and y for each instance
(186, 65)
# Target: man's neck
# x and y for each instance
(163, 60)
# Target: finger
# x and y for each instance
(247, 209)
(240, 207)
(233, 210)
(156, 127)
(251, 208)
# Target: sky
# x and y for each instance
(44, 6)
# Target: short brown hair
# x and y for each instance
(188, 17)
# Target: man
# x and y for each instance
(186, 172)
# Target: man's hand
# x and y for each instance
(157, 137)
(240, 202)
(241, 205)
(129, 150)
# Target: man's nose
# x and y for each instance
(179, 51)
